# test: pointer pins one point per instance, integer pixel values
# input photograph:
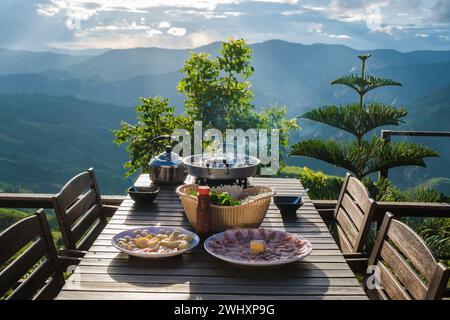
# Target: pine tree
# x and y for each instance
(362, 156)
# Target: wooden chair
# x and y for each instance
(46, 278)
(407, 269)
(81, 215)
(351, 221)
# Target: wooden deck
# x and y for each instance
(104, 273)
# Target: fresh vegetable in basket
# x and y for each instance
(220, 199)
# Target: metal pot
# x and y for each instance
(229, 167)
(167, 167)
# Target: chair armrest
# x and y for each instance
(327, 216)
(324, 204)
(109, 210)
(69, 258)
(355, 255)
(357, 262)
(71, 253)
(326, 212)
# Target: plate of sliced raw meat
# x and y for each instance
(257, 247)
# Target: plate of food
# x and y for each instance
(257, 247)
(155, 242)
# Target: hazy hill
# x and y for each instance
(45, 140)
(26, 61)
(277, 55)
(126, 92)
(288, 73)
(121, 64)
(431, 112)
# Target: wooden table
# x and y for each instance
(104, 273)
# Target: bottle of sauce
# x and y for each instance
(203, 224)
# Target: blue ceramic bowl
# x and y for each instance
(288, 204)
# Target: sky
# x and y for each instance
(42, 25)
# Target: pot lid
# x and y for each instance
(167, 158)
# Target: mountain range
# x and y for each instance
(49, 99)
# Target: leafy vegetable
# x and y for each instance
(222, 199)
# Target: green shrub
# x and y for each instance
(320, 185)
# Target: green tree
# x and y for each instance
(217, 89)
(218, 93)
(360, 156)
(154, 117)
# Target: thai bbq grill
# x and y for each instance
(228, 169)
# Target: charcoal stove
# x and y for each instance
(244, 182)
(229, 169)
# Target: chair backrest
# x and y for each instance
(405, 267)
(353, 215)
(79, 211)
(27, 249)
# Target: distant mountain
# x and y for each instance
(44, 140)
(122, 64)
(288, 73)
(274, 55)
(126, 92)
(431, 112)
(27, 61)
(428, 113)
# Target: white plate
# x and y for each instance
(155, 230)
(256, 263)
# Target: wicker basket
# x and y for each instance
(247, 215)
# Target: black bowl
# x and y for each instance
(288, 204)
(143, 195)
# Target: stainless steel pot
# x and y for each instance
(229, 167)
(167, 167)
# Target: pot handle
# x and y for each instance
(152, 142)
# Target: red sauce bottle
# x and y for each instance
(203, 224)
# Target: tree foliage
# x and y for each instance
(217, 89)
(356, 120)
(154, 117)
(218, 93)
(362, 156)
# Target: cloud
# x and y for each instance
(189, 23)
(202, 38)
(314, 27)
(164, 25)
(318, 28)
(422, 35)
(119, 26)
(440, 12)
(278, 1)
(292, 12)
(338, 36)
(378, 15)
(57, 6)
(207, 14)
(446, 38)
(153, 33)
(178, 32)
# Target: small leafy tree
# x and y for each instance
(218, 93)
(217, 89)
(362, 157)
(154, 117)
